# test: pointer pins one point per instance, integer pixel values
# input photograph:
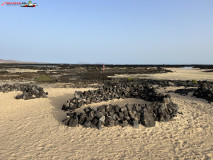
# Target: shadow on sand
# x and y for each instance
(57, 103)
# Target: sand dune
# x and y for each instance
(32, 129)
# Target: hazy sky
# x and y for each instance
(109, 31)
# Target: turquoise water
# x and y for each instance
(187, 68)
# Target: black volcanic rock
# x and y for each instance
(102, 109)
(135, 124)
(82, 118)
(98, 114)
(205, 90)
(73, 121)
(87, 124)
(30, 91)
(109, 121)
(147, 119)
(159, 108)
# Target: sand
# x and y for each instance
(20, 70)
(32, 129)
(177, 74)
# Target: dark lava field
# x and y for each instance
(79, 75)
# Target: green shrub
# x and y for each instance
(129, 78)
(44, 78)
(194, 81)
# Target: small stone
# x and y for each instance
(147, 119)
(82, 118)
(87, 124)
(102, 119)
(102, 108)
(121, 115)
(135, 124)
(109, 121)
(116, 108)
(98, 114)
(20, 96)
(90, 116)
(124, 123)
(99, 125)
(110, 113)
(94, 121)
(73, 121)
(109, 108)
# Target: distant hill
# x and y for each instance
(13, 61)
(9, 61)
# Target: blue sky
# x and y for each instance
(109, 31)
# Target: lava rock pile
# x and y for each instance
(113, 115)
(30, 91)
(205, 90)
(158, 108)
(113, 91)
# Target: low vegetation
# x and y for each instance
(44, 78)
(194, 81)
